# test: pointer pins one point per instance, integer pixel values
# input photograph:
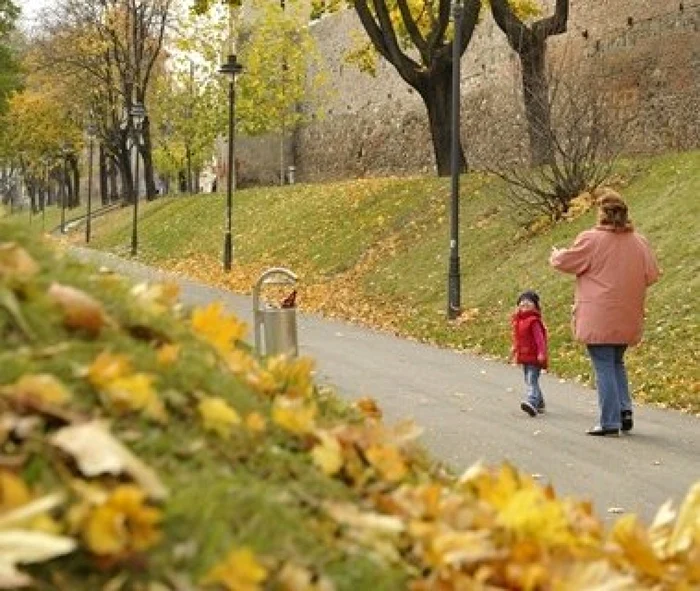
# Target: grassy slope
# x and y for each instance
(241, 491)
(376, 251)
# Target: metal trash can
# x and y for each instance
(275, 326)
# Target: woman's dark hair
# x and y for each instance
(612, 211)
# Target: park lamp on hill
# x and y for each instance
(137, 112)
(453, 282)
(65, 152)
(231, 68)
(90, 130)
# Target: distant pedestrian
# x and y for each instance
(613, 265)
(529, 349)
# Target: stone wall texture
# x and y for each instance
(645, 52)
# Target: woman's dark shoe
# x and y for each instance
(599, 431)
(626, 418)
(541, 408)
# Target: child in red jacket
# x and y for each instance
(530, 349)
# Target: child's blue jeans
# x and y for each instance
(532, 384)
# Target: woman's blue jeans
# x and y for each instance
(611, 379)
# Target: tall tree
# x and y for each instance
(9, 66)
(529, 41)
(416, 37)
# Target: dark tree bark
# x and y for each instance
(530, 43)
(104, 178)
(430, 73)
(147, 157)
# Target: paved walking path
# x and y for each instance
(469, 408)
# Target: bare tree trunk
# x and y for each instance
(146, 150)
(537, 104)
(103, 165)
(437, 96)
(530, 43)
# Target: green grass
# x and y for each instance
(391, 234)
(260, 492)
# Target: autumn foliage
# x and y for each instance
(123, 416)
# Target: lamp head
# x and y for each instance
(232, 67)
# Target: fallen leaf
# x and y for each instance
(239, 571)
(123, 524)
(26, 547)
(97, 452)
(43, 387)
(327, 454)
(80, 310)
(15, 262)
(218, 416)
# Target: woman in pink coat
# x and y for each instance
(613, 265)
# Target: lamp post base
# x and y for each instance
(228, 251)
(454, 306)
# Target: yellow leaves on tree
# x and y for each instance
(220, 330)
(240, 571)
(123, 524)
(218, 416)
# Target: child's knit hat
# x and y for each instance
(531, 296)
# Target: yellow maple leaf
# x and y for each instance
(388, 461)
(16, 262)
(219, 329)
(528, 513)
(634, 542)
(294, 415)
(13, 491)
(255, 422)
(108, 367)
(123, 524)
(327, 454)
(218, 416)
(239, 571)
(240, 362)
(168, 354)
(136, 393)
(43, 387)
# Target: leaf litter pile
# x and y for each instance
(145, 447)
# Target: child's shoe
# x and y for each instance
(528, 408)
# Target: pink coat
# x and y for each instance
(613, 270)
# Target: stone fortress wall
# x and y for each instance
(647, 53)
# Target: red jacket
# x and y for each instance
(529, 338)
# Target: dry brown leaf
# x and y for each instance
(80, 310)
(16, 262)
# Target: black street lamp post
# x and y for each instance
(45, 192)
(91, 130)
(138, 114)
(454, 300)
(231, 68)
(65, 150)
